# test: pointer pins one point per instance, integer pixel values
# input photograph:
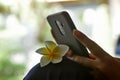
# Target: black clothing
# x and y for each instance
(66, 70)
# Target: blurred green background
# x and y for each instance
(23, 29)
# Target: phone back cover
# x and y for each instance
(68, 37)
(69, 40)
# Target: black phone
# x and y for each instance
(63, 26)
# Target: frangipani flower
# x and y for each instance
(52, 53)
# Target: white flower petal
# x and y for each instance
(56, 59)
(52, 53)
(45, 60)
(50, 45)
(61, 50)
(43, 51)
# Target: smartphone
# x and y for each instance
(62, 27)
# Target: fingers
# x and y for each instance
(88, 62)
(92, 56)
(117, 59)
(83, 61)
(91, 45)
(69, 53)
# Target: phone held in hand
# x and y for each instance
(63, 26)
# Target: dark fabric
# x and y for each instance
(66, 70)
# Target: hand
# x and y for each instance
(104, 66)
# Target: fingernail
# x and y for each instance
(69, 53)
(70, 58)
(75, 32)
(78, 34)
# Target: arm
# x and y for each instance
(105, 67)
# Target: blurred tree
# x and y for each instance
(4, 9)
(31, 15)
(8, 69)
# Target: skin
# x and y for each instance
(103, 65)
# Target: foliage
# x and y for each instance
(8, 69)
(30, 15)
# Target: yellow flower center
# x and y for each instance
(52, 55)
